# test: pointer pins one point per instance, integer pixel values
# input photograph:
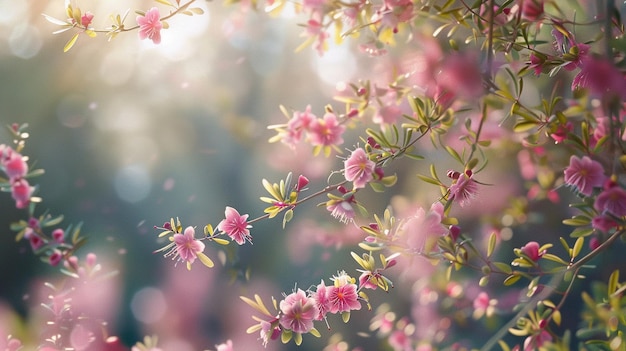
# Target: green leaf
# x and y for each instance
(492, 244)
(288, 216)
(578, 246)
(505, 268)
(512, 279)
(613, 282)
(345, 316)
(205, 260)
(165, 2)
(285, 336)
(524, 126)
(70, 43)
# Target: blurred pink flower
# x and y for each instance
(227, 346)
(86, 19)
(21, 192)
(423, 229)
(187, 247)
(579, 52)
(464, 189)
(299, 311)
(235, 226)
(460, 75)
(58, 235)
(534, 342)
(584, 174)
(532, 10)
(299, 122)
(14, 166)
(601, 77)
(55, 258)
(150, 25)
(326, 131)
(358, 168)
(603, 223)
(612, 200)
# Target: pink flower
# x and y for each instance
(236, 226)
(359, 169)
(603, 223)
(343, 294)
(612, 200)
(299, 123)
(532, 10)
(578, 53)
(326, 131)
(21, 192)
(187, 247)
(464, 189)
(15, 167)
(534, 342)
(86, 19)
(424, 229)
(58, 235)
(531, 249)
(367, 280)
(150, 25)
(341, 209)
(584, 174)
(298, 312)
(266, 334)
(227, 346)
(55, 258)
(601, 77)
(321, 299)
(460, 75)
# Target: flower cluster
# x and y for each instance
(298, 311)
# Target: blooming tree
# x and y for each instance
(514, 101)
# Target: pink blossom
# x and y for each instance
(35, 242)
(58, 235)
(298, 124)
(536, 63)
(341, 209)
(367, 280)
(86, 19)
(534, 342)
(531, 249)
(227, 346)
(266, 334)
(343, 294)
(532, 10)
(21, 192)
(584, 174)
(460, 75)
(326, 131)
(55, 258)
(612, 200)
(601, 77)
(424, 229)
(150, 25)
(14, 166)
(578, 53)
(464, 189)
(321, 299)
(561, 132)
(187, 247)
(399, 341)
(603, 223)
(359, 169)
(236, 226)
(298, 312)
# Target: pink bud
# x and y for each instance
(35, 242)
(455, 231)
(361, 91)
(531, 249)
(15, 167)
(302, 182)
(91, 259)
(58, 235)
(21, 192)
(86, 19)
(55, 258)
(33, 222)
